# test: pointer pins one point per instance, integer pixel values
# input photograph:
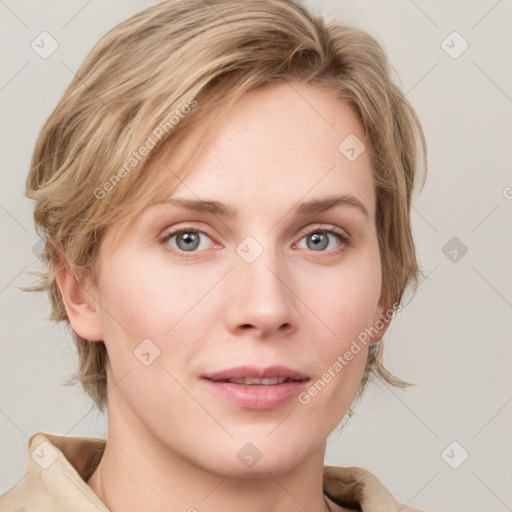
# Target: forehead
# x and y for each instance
(281, 144)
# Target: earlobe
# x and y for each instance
(81, 306)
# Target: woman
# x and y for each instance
(225, 195)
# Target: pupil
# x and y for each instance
(191, 241)
(319, 240)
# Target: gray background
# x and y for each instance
(453, 340)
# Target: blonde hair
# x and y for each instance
(181, 65)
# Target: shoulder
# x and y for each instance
(354, 486)
(26, 496)
(54, 480)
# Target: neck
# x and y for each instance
(138, 472)
(96, 483)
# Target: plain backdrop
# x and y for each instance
(453, 340)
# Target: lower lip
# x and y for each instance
(255, 396)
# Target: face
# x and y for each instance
(187, 294)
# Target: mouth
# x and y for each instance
(257, 388)
(257, 375)
(269, 381)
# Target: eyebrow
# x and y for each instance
(303, 208)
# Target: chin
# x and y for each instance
(259, 454)
(275, 465)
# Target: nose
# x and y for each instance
(261, 298)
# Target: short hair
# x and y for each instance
(180, 65)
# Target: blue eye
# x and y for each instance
(319, 239)
(186, 240)
(192, 240)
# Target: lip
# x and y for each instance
(257, 373)
(257, 397)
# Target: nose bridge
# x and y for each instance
(260, 294)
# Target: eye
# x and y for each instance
(193, 240)
(321, 239)
(187, 240)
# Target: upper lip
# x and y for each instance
(257, 373)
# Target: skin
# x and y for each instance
(172, 442)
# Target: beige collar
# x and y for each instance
(59, 467)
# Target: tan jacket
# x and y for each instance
(59, 466)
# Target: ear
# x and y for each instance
(80, 304)
(381, 322)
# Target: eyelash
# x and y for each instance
(344, 239)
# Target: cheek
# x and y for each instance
(145, 295)
(345, 300)
(147, 309)
(345, 297)
(149, 298)
(132, 300)
(340, 353)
